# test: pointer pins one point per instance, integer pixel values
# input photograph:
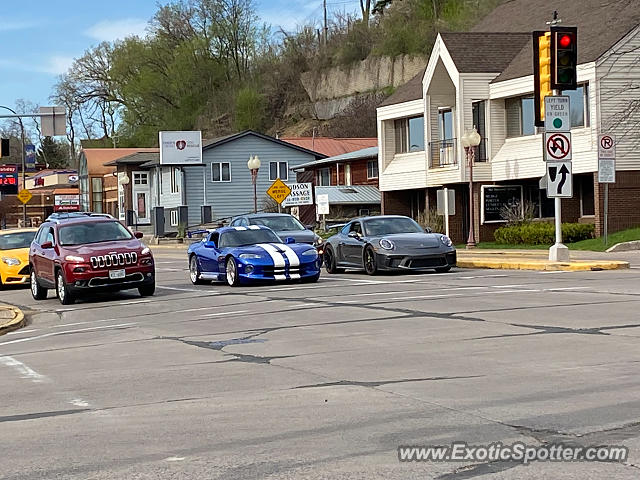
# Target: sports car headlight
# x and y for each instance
(249, 256)
(311, 253)
(74, 258)
(387, 244)
(317, 241)
(446, 240)
(11, 261)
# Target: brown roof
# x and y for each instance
(484, 52)
(97, 157)
(412, 90)
(601, 23)
(136, 158)
(331, 146)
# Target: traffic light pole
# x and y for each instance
(24, 176)
(558, 252)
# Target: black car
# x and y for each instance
(388, 242)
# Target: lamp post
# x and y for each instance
(24, 176)
(470, 140)
(124, 181)
(254, 165)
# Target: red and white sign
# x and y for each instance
(606, 147)
(66, 203)
(180, 148)
(557, 147)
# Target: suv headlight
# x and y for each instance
(311, 253)
(145, 251)
(446, 240)
(74, 258)
(387, 244)
(249, 256)
(11, 261)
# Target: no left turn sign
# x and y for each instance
(557, 147)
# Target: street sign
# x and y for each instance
(440, 201)
(557, 146)
(54, 121)
(557, 114)
(606, 170)
(322, 204)
(279, 191)
(606, 146)
(24, 195)
(300, 195)
(559, 180)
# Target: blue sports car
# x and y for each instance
(251, 254)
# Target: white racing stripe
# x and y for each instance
(277, 257)
(294, 261)
(240, 228)
(253, 227)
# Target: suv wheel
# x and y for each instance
(64, 295)
(147, 290)
(37, 291)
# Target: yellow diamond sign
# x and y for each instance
(279, 191)
(24, 195)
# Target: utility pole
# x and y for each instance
(24, 176)
(326, 28)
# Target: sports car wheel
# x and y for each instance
(232, 272)
(330, 262)
(194, 271)
(369, 261)
(37, 291)
(64, 295)
(443, 269)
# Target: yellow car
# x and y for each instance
(14, 255)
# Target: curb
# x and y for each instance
(177, 246)
(16, 322)
(625, 247)
(518, 264)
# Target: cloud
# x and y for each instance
(15, 25)
(110, 30)
(57, 65)
(54, 65)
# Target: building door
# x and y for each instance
(141, 193)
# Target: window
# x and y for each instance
(140, 179)
(173, 218)
(221, 172)
(356, 227)
(445, 124)
(520, 118)
(587, 198)
(324, 177)
(543, 206)
(478, 112)
(579, 105)
(409, 134)
(175, 180)
(96, 194)
(278, 170)
(372, 169)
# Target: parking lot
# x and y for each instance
(324, 380)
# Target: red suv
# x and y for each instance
(85, 253)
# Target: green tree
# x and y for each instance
(250, 110)
(53, 153)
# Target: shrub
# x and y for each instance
(539, 233)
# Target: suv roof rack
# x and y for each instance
(57, 217)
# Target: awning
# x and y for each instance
(350, 194)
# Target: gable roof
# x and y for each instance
(216, 142)
(137, 158)
(97, 157)
(601, 24)
(329, 146)
(483, 52)
(371, 152)
(412, 90)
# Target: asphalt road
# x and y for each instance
(323, 381)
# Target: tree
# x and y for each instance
(53, 153)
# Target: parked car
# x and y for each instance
(251, 254)
(388, 242)
(79, 254)
(283, 224)
(14, 255)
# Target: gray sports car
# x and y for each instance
(388, 242)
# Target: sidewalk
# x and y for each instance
(538, 260)
(11, 318)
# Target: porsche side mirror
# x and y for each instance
(210, 244)
(47, 245)
(428, 230)
(289, 240)
(138, 235)
(355, 235)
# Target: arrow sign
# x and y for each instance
(557, 146)
(559, 180)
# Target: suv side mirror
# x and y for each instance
(47, 245)
(138, 234)
(210, 244)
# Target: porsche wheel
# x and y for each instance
(232, 272)
(330, 261)
(194, 271)
(369, 261)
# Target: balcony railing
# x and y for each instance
(442, 153)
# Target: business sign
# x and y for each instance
(9, 179)
(557, 114)
(607, 147)
(557, 147)
(606, 170)
(30, 157)
(300, 195)
(180, 148)
(322, 204)
(66, 203)
(497, 198)
(73, 178)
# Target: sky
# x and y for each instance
(38, 42)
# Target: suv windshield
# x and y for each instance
(239, 238)
(282, 223)
(9, 241)
(389, 226)
(94, 232)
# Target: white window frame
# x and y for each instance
(376, 164)
(175, 183)
(218, 166)
(279, 164)
(173, 218)
(320, 170)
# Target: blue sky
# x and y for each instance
(38, 41)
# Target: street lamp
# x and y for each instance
(254, 165)
(24, 176)
(470, 140)
(124, 181)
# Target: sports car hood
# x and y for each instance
(103, 248)
(413, 240)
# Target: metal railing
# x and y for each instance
(442, 153)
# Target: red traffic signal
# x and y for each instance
(564, 58)
(565, 41)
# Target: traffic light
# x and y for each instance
(541, 73)
(4, 147)
(564, 57)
